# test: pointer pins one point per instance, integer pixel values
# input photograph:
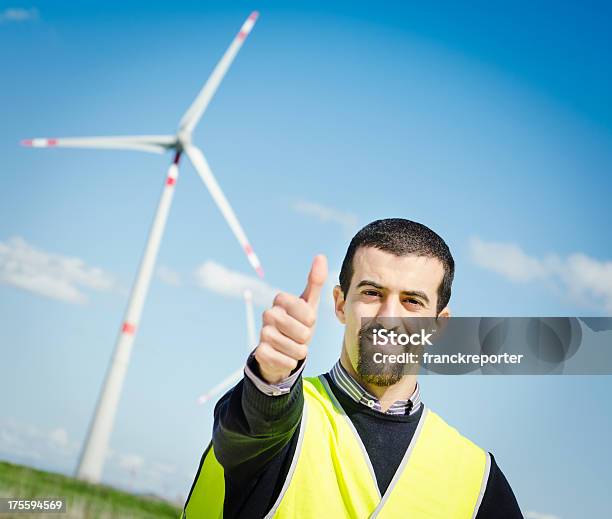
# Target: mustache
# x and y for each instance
(399, 325)
(366, 331)
(365, 335)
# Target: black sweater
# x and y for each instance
(255, 437)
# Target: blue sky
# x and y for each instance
(492, 125)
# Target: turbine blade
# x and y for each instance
(194, 113)
(149, 143)
(226, 383)
(199, 163)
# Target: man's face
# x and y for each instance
(385, 286)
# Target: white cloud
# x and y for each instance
(52, 449)
(168, 276)
(32, 443)
(506, 259)
(348, 221)
(221, 280)
(59, 437)
(131, 462)
(162, 468)
(139, 474)
(18, 14)
(48, 274)
(537, 515)
(12, 443)
(581, 277)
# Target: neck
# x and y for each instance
(387, 395)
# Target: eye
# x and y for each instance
(372, 293)
(413, 301)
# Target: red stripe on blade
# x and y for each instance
(128, 328)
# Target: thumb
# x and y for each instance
(316, 280)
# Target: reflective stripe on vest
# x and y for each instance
(442, 475)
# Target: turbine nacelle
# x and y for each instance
(183, 140)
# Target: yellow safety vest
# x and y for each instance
(442, 475)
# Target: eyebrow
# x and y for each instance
(418, 293)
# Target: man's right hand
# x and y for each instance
(289, 325)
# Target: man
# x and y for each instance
(350, 443)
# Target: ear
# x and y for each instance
(339, 304)
(445, 312)
(442, 320)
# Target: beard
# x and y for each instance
(379, 374)
(388, 373)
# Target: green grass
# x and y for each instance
(84, 500)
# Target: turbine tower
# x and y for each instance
(91, 461)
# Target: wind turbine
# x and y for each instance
(92, 457)
(232, 379)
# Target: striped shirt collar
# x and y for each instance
(359, 394)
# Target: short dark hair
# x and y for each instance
(402, 238)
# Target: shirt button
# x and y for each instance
(371, 404)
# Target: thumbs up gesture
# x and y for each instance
(289, 325)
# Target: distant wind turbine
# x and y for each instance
(92, 457)
(232, 379)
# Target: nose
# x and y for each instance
(390, 307)
(391, 315)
